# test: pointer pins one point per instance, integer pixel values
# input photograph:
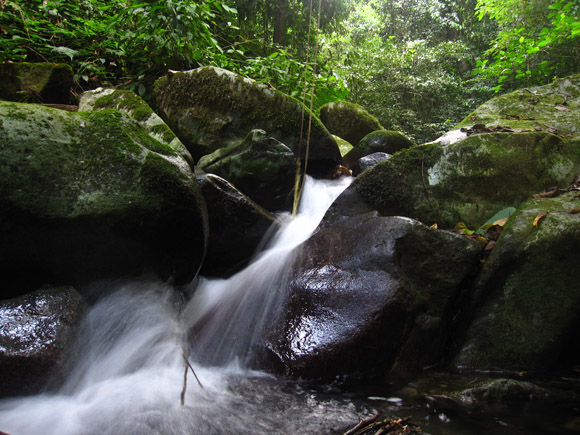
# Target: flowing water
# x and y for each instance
(126, 374)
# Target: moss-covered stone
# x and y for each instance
(383, 141)
(88, 195)
(348, 121)
(130, 103)
(528, 295)
(210, 108)
(553, 107)
(260, 167)
(468, 181)
(36, 82)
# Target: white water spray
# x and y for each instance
(126, 376)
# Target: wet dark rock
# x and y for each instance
(260, 166)
(526, 302)
(349, 121)
(35, 331)
(36, 82)
(372, 295)
(383, 141)
(210, 108)
(368, 162)
(87, 196)
(237, 225)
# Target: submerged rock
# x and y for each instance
(348, 121)
(210, 108)
(92, 195)
(130, 103)
(372, 295)
(384, 141)
(237, 225)
(261, 167)
(36, 82)
(35, 332)
(527, 298)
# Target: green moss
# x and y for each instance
(348, 120)
(125, 101)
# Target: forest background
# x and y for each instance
(419, 66)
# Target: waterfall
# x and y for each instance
(126, 374)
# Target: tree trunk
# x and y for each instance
(280, 14)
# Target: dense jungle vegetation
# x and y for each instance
(418, 65)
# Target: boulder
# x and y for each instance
(348, 121)
(368, 162)
(469, 176)
(210, 108)
(260, 166)
(384, 141)
(134, 106)
(36, 82)
(237, 225)
(527, 297)
(92, 195)
(371, 295)
(35, 332)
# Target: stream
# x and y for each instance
(126, 372)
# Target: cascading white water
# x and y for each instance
(126, 374)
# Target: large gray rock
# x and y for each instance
(237, 225)
(384, 141)
(90, 195)
(527, 298)
(348, 121)
(261, 167)
(470, 176)
(371, 295)
(210, 108)
(35, 332)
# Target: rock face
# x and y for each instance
(348, 121)
(527, 297)
(372, 294)
(35, 331)
(468, 181)
(130, 103)
(36, 82)
(383, 141)
(210, 108)
(85, 195)
(260, 166)
(237, 225)
(471, 175)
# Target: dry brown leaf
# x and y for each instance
(574, 211)
(500, 222)
(489, 246)
(539, 218)
(562, 108)
(434, 226)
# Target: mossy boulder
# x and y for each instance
(36, 82)
(380, 141)
(261, 167)
(134, 106)
(35, 334)
(527, 298)
(237, 225)
(552, 108)
(371, 295)
(90, 195)
(210, 108)
(348, 121)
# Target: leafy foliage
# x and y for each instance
(538, 40)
